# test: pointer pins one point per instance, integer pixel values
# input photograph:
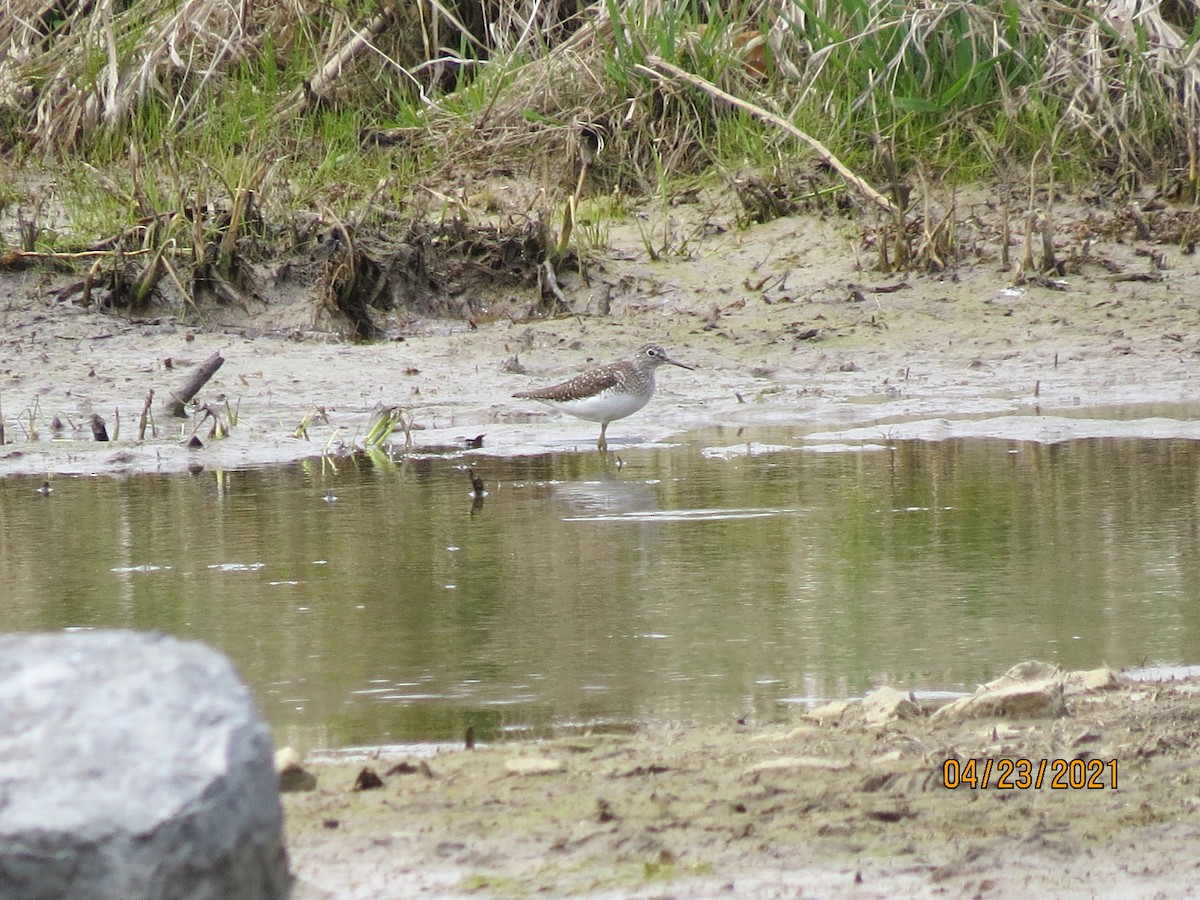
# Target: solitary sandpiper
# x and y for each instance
(607, 392)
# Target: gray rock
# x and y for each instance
(133, 766)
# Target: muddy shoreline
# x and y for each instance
(835, 805)
(825, 354)
(790, 330)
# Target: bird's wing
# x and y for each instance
(584, 385)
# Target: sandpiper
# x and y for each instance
(607, 392)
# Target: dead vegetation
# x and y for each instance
(216, 130)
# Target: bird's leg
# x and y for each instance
(602, 444)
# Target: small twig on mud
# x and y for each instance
(178, 399)
(1050, 261)
(1139, 223)
(146, 416)
(94, 271)
(568, 225)
(1150, 277)
(99, 430)
(550, 284)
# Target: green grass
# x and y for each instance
(957, 91)
(956, 86)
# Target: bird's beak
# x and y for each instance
(676, 362)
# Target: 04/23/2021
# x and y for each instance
(1018, 774)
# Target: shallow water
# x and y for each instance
(693, 582)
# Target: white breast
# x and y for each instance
(603, 407)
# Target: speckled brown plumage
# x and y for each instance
(607, 392)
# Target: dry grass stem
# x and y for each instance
(859, 184)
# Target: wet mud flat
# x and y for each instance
(785, 322)
(839, 809)
(831, 805)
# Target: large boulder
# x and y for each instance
(133, 766)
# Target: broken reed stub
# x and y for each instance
(177, 400)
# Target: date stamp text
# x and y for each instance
(1020, 774)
